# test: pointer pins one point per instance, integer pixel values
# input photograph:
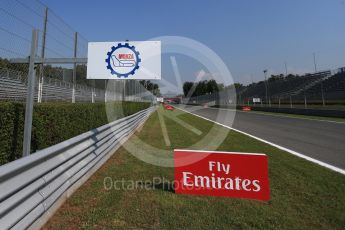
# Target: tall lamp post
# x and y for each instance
(265, 72)
(315, 65)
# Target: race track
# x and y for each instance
(321, 140)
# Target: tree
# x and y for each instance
(153, 88)
(187, 86)
(202, 88)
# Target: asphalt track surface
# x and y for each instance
(321, 140)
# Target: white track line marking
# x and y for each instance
(280, 115)
(331, 167)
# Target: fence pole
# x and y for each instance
(41, 77)
(115, 89)
(290, 102)
(74, 66)
(30, 95)
(93, 92)
(322, 95)
(124, 90)
(305, 101)
(279, 102)
(105, 91)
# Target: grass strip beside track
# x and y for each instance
(303, 195)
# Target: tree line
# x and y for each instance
(193, 89)
(152, 87)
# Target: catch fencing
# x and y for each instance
(13, 87)
(56, 39)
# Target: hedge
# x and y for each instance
(55, 122)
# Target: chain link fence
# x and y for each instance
(62, 82)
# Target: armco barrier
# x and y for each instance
(32, 188)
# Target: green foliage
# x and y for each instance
(153, 88)
(201, 88)
(55, 122)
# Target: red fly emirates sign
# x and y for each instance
(240, 175)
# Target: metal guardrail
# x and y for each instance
(34, 186)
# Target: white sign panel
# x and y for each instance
(256, 100)
(124, 60)
(160, 99)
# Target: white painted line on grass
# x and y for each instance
(164, 129)
(326, 165)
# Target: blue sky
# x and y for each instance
(249, 35)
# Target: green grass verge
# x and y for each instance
(303, 195)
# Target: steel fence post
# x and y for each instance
(322, 95)
(279, 102)
(41, 77)
(105, 91)
(290, 102)
(74, 66)
(30, 95)
(124, 90)
(93, 92)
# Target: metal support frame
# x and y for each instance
(30, 98)
(33, 60)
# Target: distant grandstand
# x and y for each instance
(317, 88)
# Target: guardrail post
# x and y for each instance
(30, 95)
